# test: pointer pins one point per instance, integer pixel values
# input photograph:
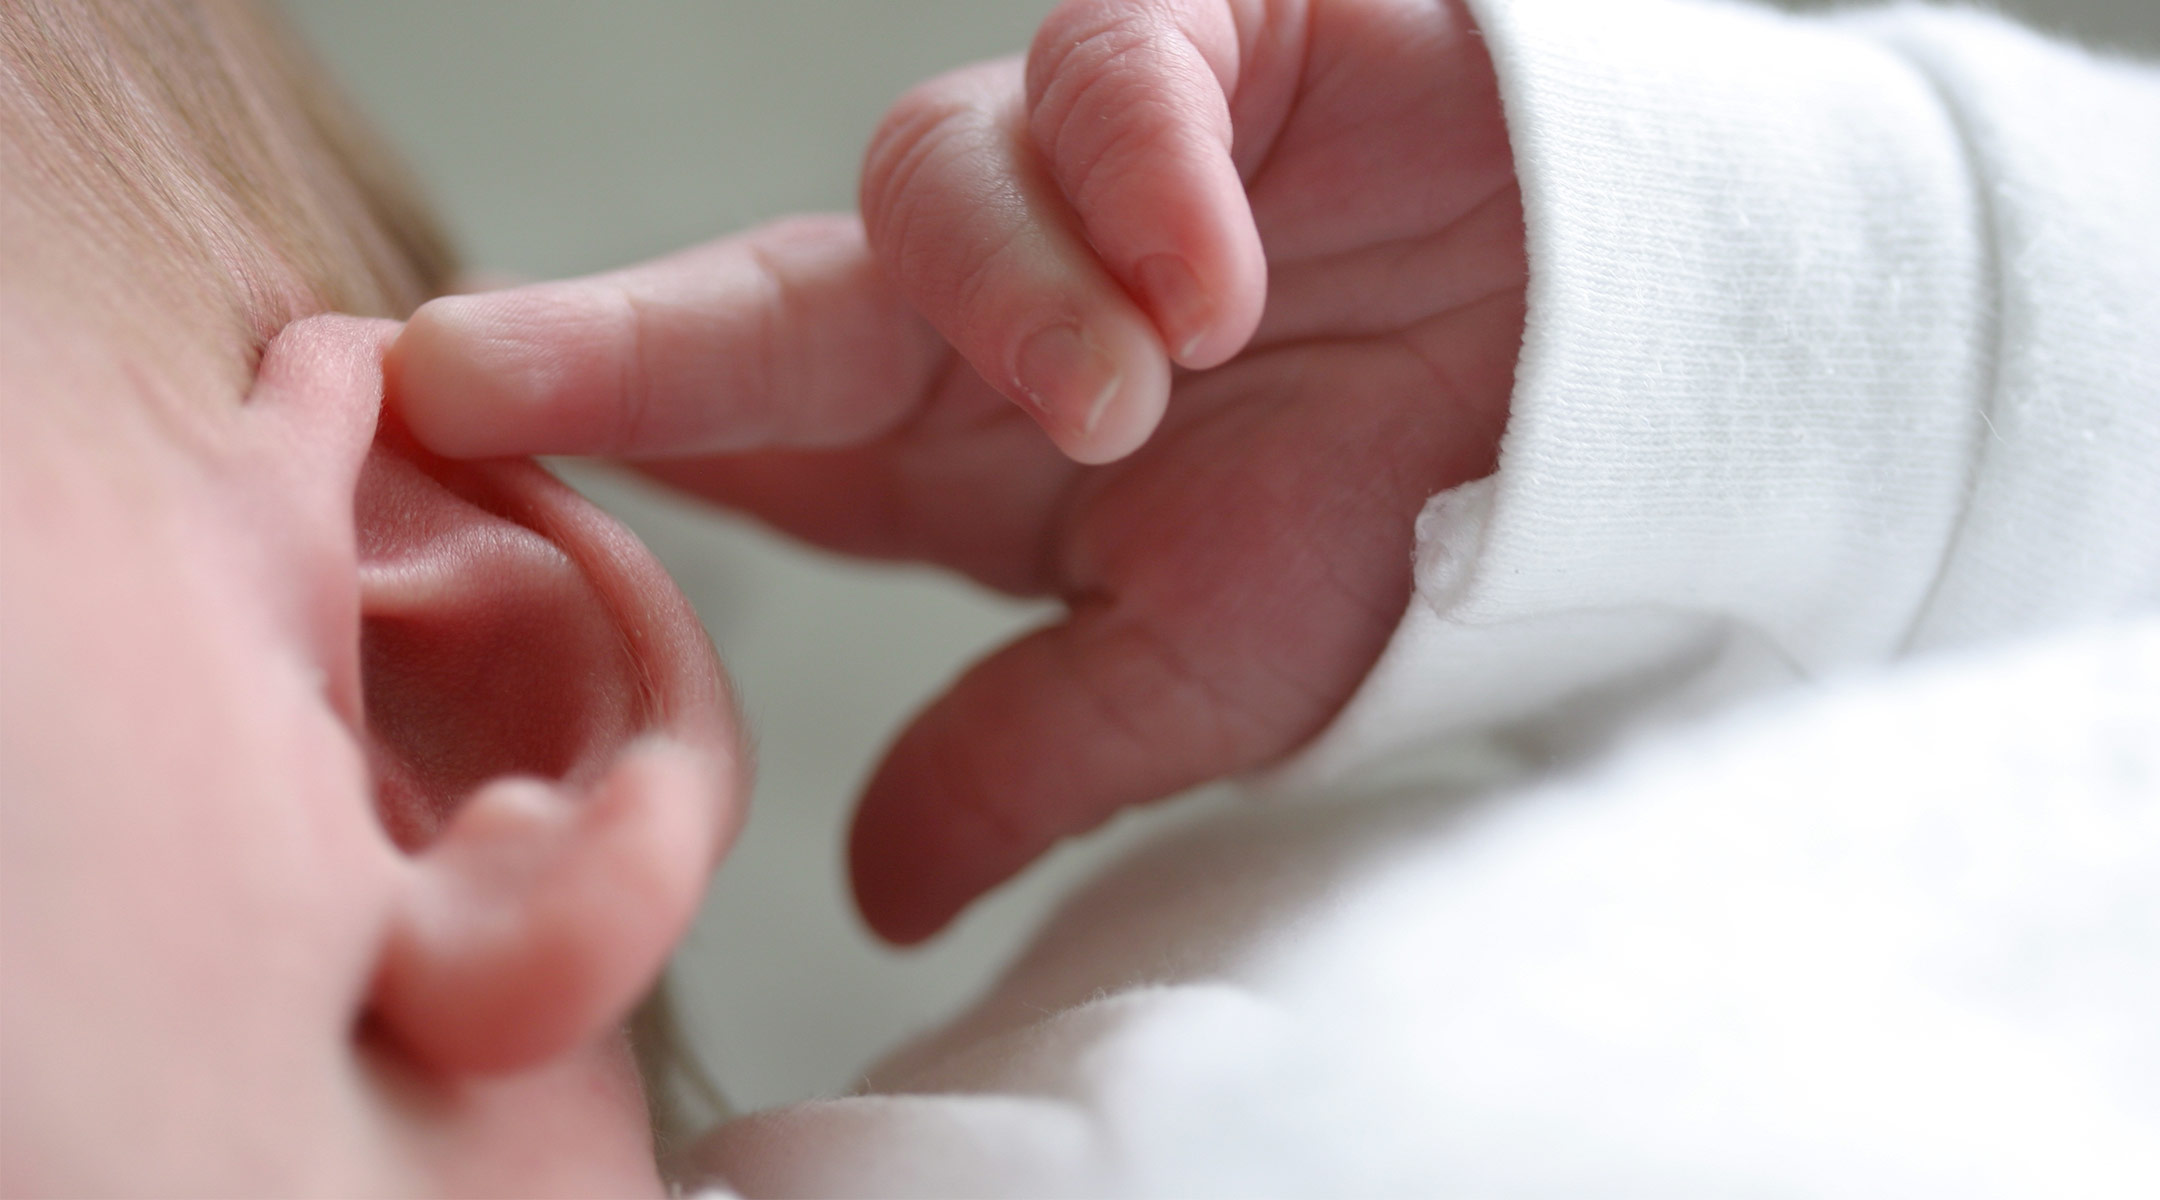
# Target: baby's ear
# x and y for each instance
(548, 733)
(549, 745)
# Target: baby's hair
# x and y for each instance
(198, 154)
(193, 153)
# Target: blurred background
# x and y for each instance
(565, 136)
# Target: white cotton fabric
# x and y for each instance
(1825, 520)
(1844, 338)
(1892, 938)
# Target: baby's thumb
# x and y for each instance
(1048, 737)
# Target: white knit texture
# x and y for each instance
(1843, 338)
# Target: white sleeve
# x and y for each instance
(1843, 341)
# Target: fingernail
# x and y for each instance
(1062, 369)
(1173, 293)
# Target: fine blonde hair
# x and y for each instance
(197, 144)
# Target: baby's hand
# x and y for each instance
(1312, 206)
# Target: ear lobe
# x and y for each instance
(544, 912)
(550, 741)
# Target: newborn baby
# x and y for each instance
(1545, 372)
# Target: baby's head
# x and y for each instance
(349, 798)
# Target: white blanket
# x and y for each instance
(1896, 937)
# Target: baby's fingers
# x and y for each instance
(967, 221)
(1130, 102)
(1075, 236)
(784, 336)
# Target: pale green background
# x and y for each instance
(561, 136)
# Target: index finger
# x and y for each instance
(785, 336)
